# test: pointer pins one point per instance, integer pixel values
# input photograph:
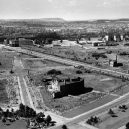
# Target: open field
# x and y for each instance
(39, 63)
(3, 93)
(4, 58)
(9, 94)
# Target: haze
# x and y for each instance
(67, 9)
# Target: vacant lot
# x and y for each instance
(40, 63)
(3, 94)
(6, 60)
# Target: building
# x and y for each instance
(63, 86)
(113, 63)
(14, 43)
(23, 41)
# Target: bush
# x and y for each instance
(64, 127)
(78, 72)
(11, 71)
(54, 72)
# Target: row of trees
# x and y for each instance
(28, 113)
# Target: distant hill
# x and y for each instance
(52, 19)
(35, 20)
(104, 20)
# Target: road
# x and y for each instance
(18, 68)
(95, 111)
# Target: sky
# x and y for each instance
(67, 9)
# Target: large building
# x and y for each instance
(63, 86)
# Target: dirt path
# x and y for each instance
(18, 67)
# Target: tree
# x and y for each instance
(48, 119)
(1, 110)
(3, 120)
(6, 113)
(54, 72)
(111, 112)
(64, 127)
